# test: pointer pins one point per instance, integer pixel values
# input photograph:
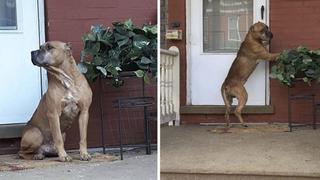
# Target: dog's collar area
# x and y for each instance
(60, 75)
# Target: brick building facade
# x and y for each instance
(293, 23)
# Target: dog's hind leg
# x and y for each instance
(228, 102)
(242, 96)
(30, 144)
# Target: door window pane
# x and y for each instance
(225, 24)
(8, 15)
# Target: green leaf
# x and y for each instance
(140, 41)
(151, 28)
(95, 49)
(306, 61)
(88, 37)
(113, 71)
(302, 49)
(317, 52)
(123, 42)
(106, 51)
(97, 61)
(128, 24)
(146, 78)
(83, 55)
(139, 73)
(106, 42)
(302, 63)
(145, 60)
(82, 68)
(114, 54)
(119, 37)
(131, 34)
(97, 29)
(102, 70)
(280, 77)
(92, 73)
(134, 54)
(139, 31)
(118, 68)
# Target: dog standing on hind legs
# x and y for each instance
(252, 49)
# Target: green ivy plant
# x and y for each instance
(124, 47)
(297, 63)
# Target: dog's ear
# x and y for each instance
(68, 48)
(251, 28)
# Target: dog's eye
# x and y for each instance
(49, 47)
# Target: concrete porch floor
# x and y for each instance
(135, 166)
(197, 152)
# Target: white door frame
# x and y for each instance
(15, 130)
(188, 51)
(42, 39)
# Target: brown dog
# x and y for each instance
(68, 98)
(251, 50)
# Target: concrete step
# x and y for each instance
(257, 152)
(216, 176)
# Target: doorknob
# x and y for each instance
(262, 11)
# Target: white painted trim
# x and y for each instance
(268, 99)
(201, 27)
(266, 21)
(42, 30)
(41, 16)
(188, 56)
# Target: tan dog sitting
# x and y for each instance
(252, 49)
(68, 98)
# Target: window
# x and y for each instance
(225, 24)
(8, 15)
(233, 28)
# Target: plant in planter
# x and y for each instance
(297, 63)
(124, 47)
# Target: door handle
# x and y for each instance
(262, 11)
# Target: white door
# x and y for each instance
(20, 81)
(217, 28)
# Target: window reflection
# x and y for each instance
(8, 14)
(225, 24)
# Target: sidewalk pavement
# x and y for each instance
(134, 166)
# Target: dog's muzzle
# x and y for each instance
(37, 58)
(34, 55)
(269, 34)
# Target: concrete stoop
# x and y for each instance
(259, 152)
(217, 176)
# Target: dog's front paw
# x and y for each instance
(65, 158)
(85, 156)
(38, 157)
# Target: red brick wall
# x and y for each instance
(293, 23)
(177, 13)
(68, 21)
